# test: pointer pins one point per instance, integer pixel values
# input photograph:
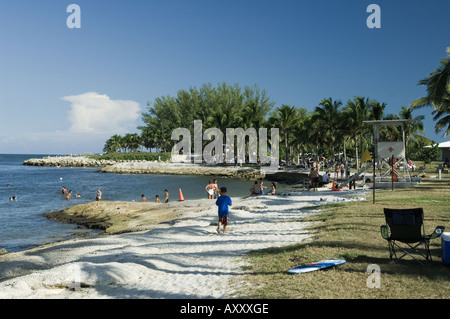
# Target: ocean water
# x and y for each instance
(38, 191)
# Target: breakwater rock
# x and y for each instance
(147, 167)
(122, 217)
(67, 161)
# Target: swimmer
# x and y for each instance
(273, 189)
(166, 197)
(216, 189)
(143, 198)
(210, 190)
(157, 200)
(99, 194)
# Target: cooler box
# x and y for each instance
(445, 244)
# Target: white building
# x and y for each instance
(445, 149)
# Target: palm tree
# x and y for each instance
(301, 131)
(284, 118)
(255, 107)
(316, 136)
(357, 111)
(411, 128)
(113, 144)
(438, 95)
(132, 141)
(327, 119)
(377, 110)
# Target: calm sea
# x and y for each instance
(38, 191)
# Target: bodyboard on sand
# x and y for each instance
(316, 266)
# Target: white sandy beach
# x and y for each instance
(186, 258)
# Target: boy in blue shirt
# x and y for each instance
(223, 202)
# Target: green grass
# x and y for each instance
(352, 231)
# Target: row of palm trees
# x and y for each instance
(332, 129)
(127, 143)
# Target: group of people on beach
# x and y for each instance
(223, 201)
(157, 200)
(258, 188)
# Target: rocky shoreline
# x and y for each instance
(143, 167)
(67, 161)
(116, 217)
(148, 167)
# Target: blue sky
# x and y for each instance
(67, 90)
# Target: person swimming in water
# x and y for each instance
(166, 197)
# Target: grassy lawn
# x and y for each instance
(352, 231)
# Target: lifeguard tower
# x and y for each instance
(389, 153)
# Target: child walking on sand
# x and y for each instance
(223, 202)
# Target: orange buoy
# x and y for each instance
(181, 195)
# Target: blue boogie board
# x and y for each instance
(316, 266)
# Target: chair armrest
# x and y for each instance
(384, 231)
(437, 232)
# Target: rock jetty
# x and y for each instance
(149, 167)
(68, 161)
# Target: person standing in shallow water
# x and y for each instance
(273, 189)
(210, 190)
(166, 197)
(216, 189)
(255, 189)
(99, 194)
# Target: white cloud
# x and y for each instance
(92, 118)
(98, 114)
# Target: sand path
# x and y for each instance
(185, 258)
